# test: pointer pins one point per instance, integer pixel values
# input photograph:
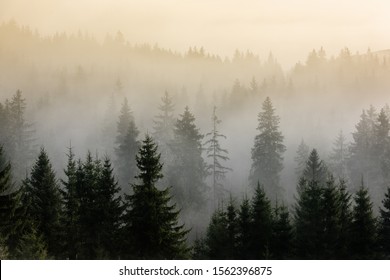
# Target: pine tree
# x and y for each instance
(267, 153)
(345, 221)
(32, 245)
(315, 168)
(330, 218)
(216, 154)
(109, 210)
(44, 207)
(363, 228)
(216, 236)
(308, 220)
(151, 221)
(188, 171)
(232, 230)
(11, 211)
(71, 204)
(339, 157)
(164, 123)
(127, 146)
(384, 225)
(261, 225)
(301, 158)
(244, 230)
(18, 135)
(282, 234)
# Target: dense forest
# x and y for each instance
(113, 150)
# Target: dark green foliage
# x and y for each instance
(188, 170)
(308, 222)
(363, 228)
(98, 210)
(71, 204)
(151, 229)
(11, 210)
(232, 230)
(345, 221)
(217, 236)
(315, 169)
(244, 230)
(217, 155)
(44, 202)
(282, 234)
(261, 225)
(127, 146)
(32, 245)
(384, 225)
(267, 153)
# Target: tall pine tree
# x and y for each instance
(217, 154)
(151, 222)
(44, 198)
(267, 153)
(127, 146)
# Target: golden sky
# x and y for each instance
(290, 29)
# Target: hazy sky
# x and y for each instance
(289, 28)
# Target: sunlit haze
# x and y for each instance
(290, 29)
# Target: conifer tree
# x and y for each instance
(164, 123)
(216, 236)
(363, 228)
(232, 230)
(339, 156)
(315, 169)
(188, 171)
(244, 230)
(308, 220)
(127, 146)
(217, 154)
(345, 221)
(261, 225)
(151, 222)
(109, 209)
(11, 210)
(301, 158)
(17, 134)
(282, 234)
(267, 153)
(44, 208)
(71, 204)
(384, 225)
(32, 245)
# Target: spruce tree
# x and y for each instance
(384, 225)
(282, 234)
(71, 204)
(261, 225)
(11, 210)
(345, 221)
(339, 156)
(217, 154)
(164, 123)
(301, 158)
(188, 170)
(44, 198)
(217, 236)
(109, 210)
(308, 220)
(232, 230)
(315, 169)
(244, 230)
(363, 228)
(151, 222)
(127, 146)
(267, 153)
